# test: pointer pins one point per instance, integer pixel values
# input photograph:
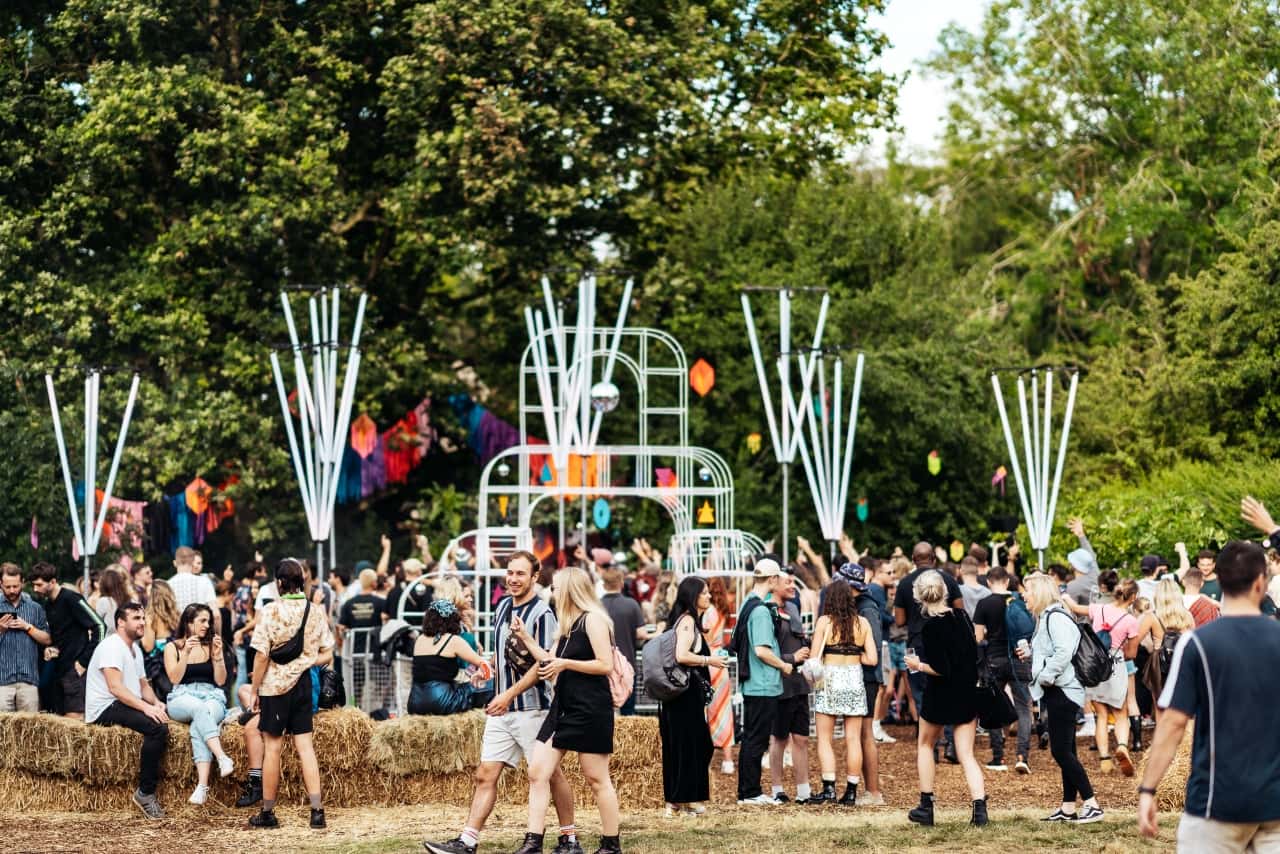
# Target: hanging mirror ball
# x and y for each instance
(704, 473)
(604, 397)
(503, 469)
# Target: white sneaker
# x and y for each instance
(225, 765)
(878, 733)
(726, 767)
(869, 800)
(761, 800)
(1086, 731)
(199, 796)
(695, 810)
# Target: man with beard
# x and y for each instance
(117, 694)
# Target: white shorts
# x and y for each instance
(509, 738)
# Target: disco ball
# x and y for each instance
(704, 473)
(503, 469)
(461, 555)
(604, 397)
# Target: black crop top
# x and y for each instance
(202, 672)
(843, 649)
(433, 667)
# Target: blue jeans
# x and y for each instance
(203, 706)
(1016, 675)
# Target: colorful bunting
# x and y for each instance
(754, 442)
(706, 514)
(862, 510)
(503, 500)
(957, 550)
(935, 463)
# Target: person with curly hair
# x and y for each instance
(435, 663)
(843, 642)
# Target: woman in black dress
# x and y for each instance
(682, 721)
(950, 659)
(581, 714)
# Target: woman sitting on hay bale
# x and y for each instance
(435, 663)
(198, 671)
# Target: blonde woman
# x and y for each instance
(1055, 684)
(1164, 623)
(950, 660)
(843, 642)
(162, 618)
(581, 715)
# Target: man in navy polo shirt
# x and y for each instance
(1219, 677)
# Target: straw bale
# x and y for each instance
(51, 763)
(1172, 793)
(431, 744)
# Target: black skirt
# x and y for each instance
(686, 746)
(950, 649)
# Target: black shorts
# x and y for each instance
(287, 713)
(72, 692)
(793, 717)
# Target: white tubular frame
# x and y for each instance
(88, 537)
(1037, 495)
(323, 416)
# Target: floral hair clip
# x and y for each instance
(443, 608)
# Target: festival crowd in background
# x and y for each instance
(978, 645)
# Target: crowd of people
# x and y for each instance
(963, 649)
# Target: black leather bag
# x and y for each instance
(995, 709)
(157, 676)
(332, 693)
(292, 648)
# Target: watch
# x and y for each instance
(1146, 790)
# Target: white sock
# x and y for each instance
(828, 778)
(777, 790)
(570, 831)
(1089, 720)
(852, 780)
(470, 836)
(803, 791)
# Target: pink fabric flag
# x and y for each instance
(35, 534)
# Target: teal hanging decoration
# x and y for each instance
(545, 475)
(862, 510)
(601, 513)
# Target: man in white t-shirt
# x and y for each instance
(117, 694)
(189, 586)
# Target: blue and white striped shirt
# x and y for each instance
(19, 653)
(540, 623)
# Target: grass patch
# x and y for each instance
(757, 831)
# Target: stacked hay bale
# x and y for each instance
(1171, 795)
(49, 763)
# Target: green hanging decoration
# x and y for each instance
(935, 463)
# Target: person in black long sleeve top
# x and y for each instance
(76, 632)
(949, 659)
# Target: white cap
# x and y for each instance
(767, 568)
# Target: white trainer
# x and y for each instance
(199, 796)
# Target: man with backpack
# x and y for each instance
(760, 673)
(1000, 621)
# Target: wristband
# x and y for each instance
(1146, 790)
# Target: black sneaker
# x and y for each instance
(1059, 815)
(251, 792)
(782, 798)
(532, 844)
(317, 820)
(1088, 815)
(563, 846)
(264, 819)
(453, 846)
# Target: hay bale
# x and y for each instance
(51, 763)
(1172, 793)
(430, 744)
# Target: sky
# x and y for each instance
(913, 27)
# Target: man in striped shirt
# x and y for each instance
(75, 629)
(516, 711)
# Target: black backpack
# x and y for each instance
(1092, 660)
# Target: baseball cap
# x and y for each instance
(602, 557)
(767, 567)
(1149, 564)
